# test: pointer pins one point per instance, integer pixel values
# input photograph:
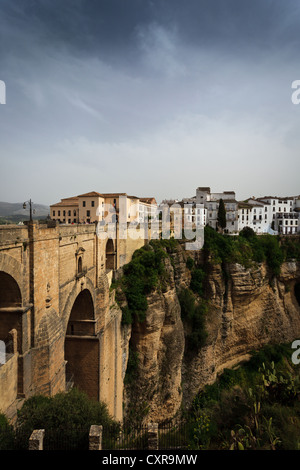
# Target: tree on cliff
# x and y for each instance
(222, 215)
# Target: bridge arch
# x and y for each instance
(71, 298)
(10, 292)
(13, 268)
(10, 308)
(82, 346)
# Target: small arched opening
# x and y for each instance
(79, 265)
(110, 255)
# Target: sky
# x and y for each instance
(151, 98)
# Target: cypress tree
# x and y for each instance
(222, 215)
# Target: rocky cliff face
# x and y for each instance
(247, 309)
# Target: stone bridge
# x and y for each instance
(58, 319)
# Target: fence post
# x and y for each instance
(36, 439)
(153, 436)
(95, 437)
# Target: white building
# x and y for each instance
(147, 209)
(211, 203)
(261, 216)
(269, 214)
(284, 213)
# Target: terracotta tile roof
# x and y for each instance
(114, 194)
(244, 205)
(70, 201)
(91, 194)
(148, 200)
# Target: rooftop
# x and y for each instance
(91, 194)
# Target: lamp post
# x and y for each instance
(30, 208)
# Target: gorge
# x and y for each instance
(241, 308)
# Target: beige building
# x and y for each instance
(65, 211)
(90, 207)
(95, 207)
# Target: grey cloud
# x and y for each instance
(150, 97)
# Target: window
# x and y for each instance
(88, 213)
(74, 221)
(53, 213)
(69, 213)
(93, 203)
(83, 203)
(273, 209)
(79, 267)
(69, 221)
(64, 213)
(74, 213)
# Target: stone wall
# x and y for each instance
(43, 261)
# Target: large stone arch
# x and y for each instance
(81, 344)
(13, 268)
(11, 298)
(78, 287)
(10, 293)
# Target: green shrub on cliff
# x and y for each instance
(145, 272)
(197, 279)
(193, 315)
(248, 247)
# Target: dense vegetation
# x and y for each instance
(66, 417)
(145, 272)
(193, 312)
(248, 248)
(256, 406)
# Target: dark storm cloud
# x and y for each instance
(107, 26)
(90, 82)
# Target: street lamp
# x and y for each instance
(30, 208)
